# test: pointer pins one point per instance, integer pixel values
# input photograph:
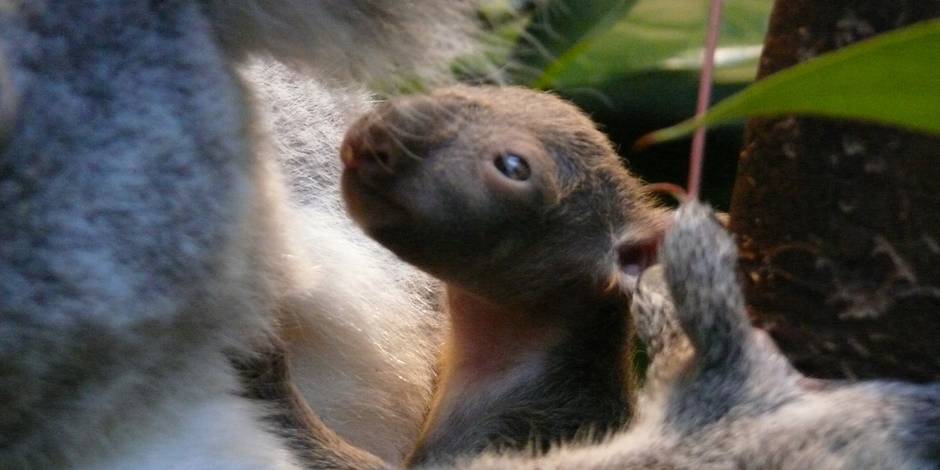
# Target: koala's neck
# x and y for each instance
(510, 375)
(488, 341)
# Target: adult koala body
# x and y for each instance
(142, 232)
(360, 353)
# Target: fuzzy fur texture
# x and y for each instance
(539, 345)
(361, 328)
(146, 235)
(342, 40)
(736, 402)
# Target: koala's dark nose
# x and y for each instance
(379, 147)
(372, 160)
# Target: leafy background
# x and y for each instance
(633, 65)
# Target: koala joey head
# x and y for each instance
(493, 188)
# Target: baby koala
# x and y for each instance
(522, 208)
(719, 395)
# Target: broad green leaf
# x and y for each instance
(891, 79)
(664, 35)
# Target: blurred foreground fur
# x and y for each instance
(720, 395)
(148, 234)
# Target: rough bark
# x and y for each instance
(839, 223)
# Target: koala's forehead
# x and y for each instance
(513, 106)
(556, 123)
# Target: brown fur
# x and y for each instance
(539, 348)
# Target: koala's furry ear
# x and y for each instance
(349, 39)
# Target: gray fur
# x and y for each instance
(367, 39)
(143, 229)
(9, 101)
(654, 317)
(736, 402)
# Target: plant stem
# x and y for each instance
(704, 97)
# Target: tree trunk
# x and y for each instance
(839, 222)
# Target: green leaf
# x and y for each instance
(660, 35)
(890, 79)
(559, 35)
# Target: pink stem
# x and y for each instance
(704, 97)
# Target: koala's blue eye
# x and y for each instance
(513, 166)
